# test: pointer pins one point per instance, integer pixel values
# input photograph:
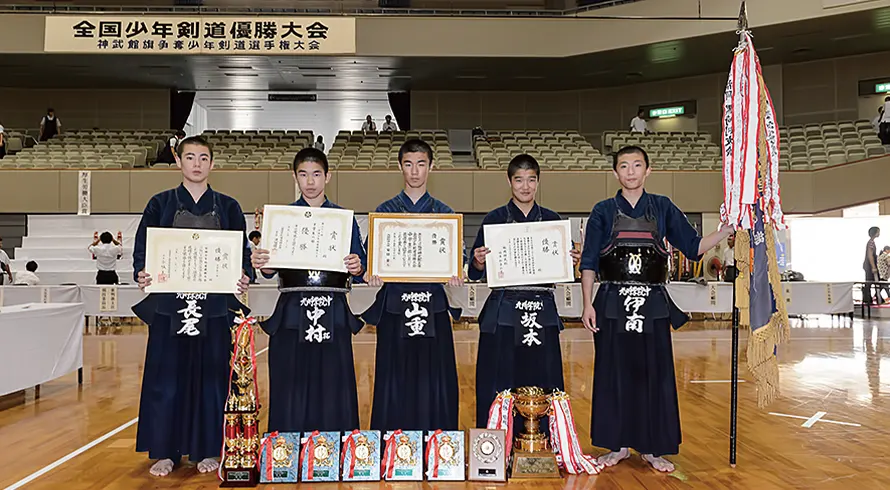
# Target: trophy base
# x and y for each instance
(528, 465)
(240, 477)
(532, 443)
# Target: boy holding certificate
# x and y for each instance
(186, 375)
(519, 325)
(415, 380)
(311, 369)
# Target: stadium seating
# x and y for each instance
(262, 149)
(560, 150)
(670, 151)
(831, 143)
(90, 149)
(379, 151)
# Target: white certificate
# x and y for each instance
(301, 237)
(182, 260)
(415, 247)
(524, 254)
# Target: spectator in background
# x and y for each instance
(28, 277)
(638, 124)
(870, 264)
(50, 125)
(369, 126)
(319, 143)
(388, 125)
(884, 127)
(884, 264)
(254, 240)
(168, 153)
(729, 270)
(107, 251)
(2, 142)
(5, 269)
(876, 122)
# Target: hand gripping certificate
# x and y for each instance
(525, 254)
(415, 247)
(300, 237)
(182, 260)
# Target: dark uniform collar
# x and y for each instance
(302, 202)
(517, 214)
(624, 205)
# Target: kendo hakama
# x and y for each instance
(187, 364)
(518, 329)
(415, 377)
(311, 368)
(634, 388)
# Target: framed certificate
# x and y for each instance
(301, 237)
(415, 247)
(530, 253)
(182, 260)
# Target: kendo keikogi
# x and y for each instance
(519, 327)
(311, 369)
(187, 360)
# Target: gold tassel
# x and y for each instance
(762, 362)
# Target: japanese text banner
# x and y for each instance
(200, 35)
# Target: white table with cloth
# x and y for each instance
(41, 342)
(802, 298)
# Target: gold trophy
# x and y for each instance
(532, 455)
(242, 436)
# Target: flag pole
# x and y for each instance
(734, 383)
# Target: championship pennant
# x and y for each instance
(280, 457)
(445, 456)
(320, 457)
(402, 458)
(361, 456)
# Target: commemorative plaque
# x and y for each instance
(487, 455)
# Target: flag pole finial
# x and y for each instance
(743, 17)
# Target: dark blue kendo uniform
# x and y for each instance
(311, 368)
(186, 377)
(504, 361)
(415, 380)
(634, 389)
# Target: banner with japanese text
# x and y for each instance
(199, 35)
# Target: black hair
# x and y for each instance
(388, 116)
(31, 266)
(626, 151)
(873, 231)
(179, 133)
(50, 109)
(319, 138)
(195, 140)
(641, 111)
(311, 155)
(416, 146)
(254, 234)
(523, 162)
(105, 237)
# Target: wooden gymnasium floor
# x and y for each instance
(832, 369)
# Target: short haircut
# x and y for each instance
(31, 266)
(254, 234)
(311, 155)
(179, 133)
(195, 140)
(886, 248)
(523, 162)
(105, 237)
(415, 146)
(626, 151)
(50, 109)
(873, 231)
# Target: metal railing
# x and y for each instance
(310, 7)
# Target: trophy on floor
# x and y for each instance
(532, 455)
(241, 437)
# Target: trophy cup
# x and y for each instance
(532, 455)
(241, 439)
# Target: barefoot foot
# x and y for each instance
(163, 467)
(614, 457)
(659, 463)
(208, 465)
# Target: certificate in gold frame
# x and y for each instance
(379, 224)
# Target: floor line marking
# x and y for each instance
(820, 419)
(812, 420)
(704, 381)
(77, 452)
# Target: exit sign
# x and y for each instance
(670, 111)
(882, 88)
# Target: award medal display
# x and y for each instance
(445, 456)
(402, 460)
(279, 457)
(487, 455)
(361, 456)
(319, 458)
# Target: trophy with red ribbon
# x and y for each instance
(241, 439)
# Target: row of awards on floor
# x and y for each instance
(289, 457)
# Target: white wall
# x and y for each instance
(679, 123)
(331, 113)
(197, 121)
